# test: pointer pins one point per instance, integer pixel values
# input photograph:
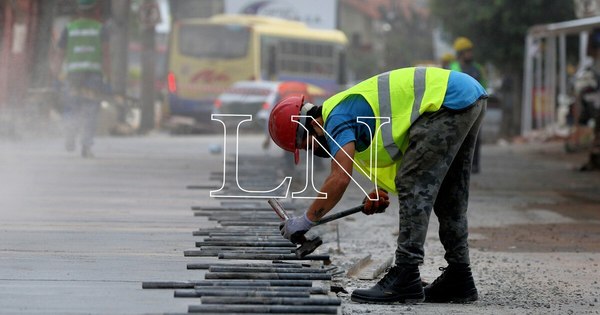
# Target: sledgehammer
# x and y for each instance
(308, 246)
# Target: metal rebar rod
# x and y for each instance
(273, 257)
(262, 238)
(291, 263)
(284, 309)
(208, 247)
(169, 284)
(204, 252)
(216, 252)
(232, 208)
(260, 288)
(245, 223)
(267, 276)
(208, 265)
(237, 211)
(266, 283)
(273, 233)
(311, 290)
(244, 215)
(252, 239)
(274, 243)
(246, 248)
(250, 219)
(271, 238)
(264, 269)
(233, 213)
(246, 313)
(239, 293)
(255, 229)
(271, 301)
(203, 186)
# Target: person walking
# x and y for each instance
(423, 155)
(84, 53)
(465, 62)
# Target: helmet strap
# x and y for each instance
(300, 131)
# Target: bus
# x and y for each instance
(207, 56)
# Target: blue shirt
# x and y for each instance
(462, 92)
(342, 126)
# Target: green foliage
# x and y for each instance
(498, 27)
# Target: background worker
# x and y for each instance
(465, 63)
(423, 154)
(592, 97)
(446, 60)
(83, 49)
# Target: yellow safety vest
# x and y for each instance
(402, 95)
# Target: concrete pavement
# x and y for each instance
(79, 236)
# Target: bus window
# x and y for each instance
(272, 62)
(207, 41)
(341, 75)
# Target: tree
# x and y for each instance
(497, 29)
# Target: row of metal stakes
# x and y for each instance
(257, 271)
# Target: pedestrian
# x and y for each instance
(423, 154)
(465, 62)
(83, 48)
(593, 102)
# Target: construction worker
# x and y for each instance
(83, 49)
(423, 154)
(590, 93)
(446, 60)
(465, 63)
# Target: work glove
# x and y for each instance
(377, 206)
(294, 228)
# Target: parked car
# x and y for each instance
(257, 98)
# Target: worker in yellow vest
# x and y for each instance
(429, 120)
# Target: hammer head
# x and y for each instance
(308, 246)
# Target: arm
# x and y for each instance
(105, 54)
(58, 61)
(106, 61)
(336, 183)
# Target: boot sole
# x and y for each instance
(408, 299)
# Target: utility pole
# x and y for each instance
(41, 66)
(149, 17)
(119, 43)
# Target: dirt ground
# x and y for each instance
(534, 237)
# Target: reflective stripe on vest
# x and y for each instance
(385, 107)
(84, 46)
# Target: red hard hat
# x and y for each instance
(282, 129)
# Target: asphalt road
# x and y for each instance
(79, 236)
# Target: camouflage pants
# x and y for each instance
(435, 174)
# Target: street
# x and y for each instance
(81, 235)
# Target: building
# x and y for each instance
(18, 24)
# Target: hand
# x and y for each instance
(294, 228)
(377, 206)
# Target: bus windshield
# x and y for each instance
(214, 41)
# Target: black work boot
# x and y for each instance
(455, 285)
(401, 284)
